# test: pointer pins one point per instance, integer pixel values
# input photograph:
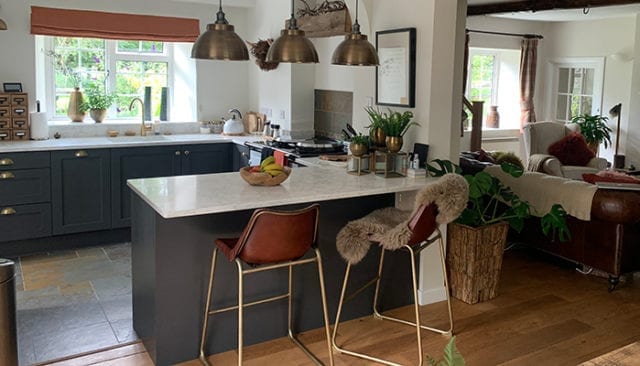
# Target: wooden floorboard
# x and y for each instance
(545, 314)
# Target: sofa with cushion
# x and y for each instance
(559, 149)
(604, 223)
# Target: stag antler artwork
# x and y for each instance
(325, 7)
(259, 51)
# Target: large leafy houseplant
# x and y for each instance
(490, 201)
(594, 128)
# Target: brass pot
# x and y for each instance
(378, 137)
(394, 143)
(73, 111)
(358, 149)
(98, 115)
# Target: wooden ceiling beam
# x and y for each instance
(539, 5)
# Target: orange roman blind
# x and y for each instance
(120, 26)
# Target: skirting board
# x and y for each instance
(432, 295)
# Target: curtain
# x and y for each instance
(528, 65)
(119, 26)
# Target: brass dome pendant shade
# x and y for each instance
(3, 25)
(292, 46)
(220, 42)
(355, 50)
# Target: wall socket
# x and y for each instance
(283, 114)
(369, 101)
(266, 111)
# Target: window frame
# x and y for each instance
(553, 80)
(111, 58)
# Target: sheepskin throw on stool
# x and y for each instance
(390, 226)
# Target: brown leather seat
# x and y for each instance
(272, 239)
(273, 236)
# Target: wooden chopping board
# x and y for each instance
(253, 122)
(333, 157)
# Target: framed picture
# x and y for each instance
(396, 75)
(12, 87)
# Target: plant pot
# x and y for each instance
(378, 137)
(493, 118)
(594, 146)
(394, 143)
(358, 149)
(73, 111)
(98, 115)
(474, 260)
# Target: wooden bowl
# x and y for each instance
(264, 179)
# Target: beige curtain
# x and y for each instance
(528, 65)
(96, 24)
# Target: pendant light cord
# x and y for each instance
(356, 25)
(293, 22)
(220, 16)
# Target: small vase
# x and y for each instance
(358, 149)
(493, 119)
(73, 111)
(394, 143)
(98, 115)
(378, 137)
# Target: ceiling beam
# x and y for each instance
(539, 5)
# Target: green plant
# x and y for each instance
(96, 98)
(393, 123)
(490, 201)
(594, 129)
(451, 357)
(360, 139)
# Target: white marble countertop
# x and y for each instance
(120, 141)
(194, 195)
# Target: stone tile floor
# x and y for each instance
(73, 301)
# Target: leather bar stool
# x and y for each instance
(271, 240)
(437, 203)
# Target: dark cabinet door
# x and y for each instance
(241, 156)
(81, 194)
(206, 159)
(140, 162)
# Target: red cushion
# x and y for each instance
(610, 176)
(572, 150)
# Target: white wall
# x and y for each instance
(215, 94)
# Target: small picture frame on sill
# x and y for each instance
(12, 87)
(396, 75)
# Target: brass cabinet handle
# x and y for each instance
(6, 162)
(187, 152)
(6, 175)
(177, 153)
(81, 154)
(7, 211)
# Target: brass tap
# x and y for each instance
(143, 128)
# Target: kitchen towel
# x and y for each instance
(39, 126)
(280, 157)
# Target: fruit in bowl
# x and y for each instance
(268, 173)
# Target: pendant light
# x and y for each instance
(292, 46)
(220, 42)
(355, 50)
(3, 25)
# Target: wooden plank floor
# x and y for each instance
(546, 314)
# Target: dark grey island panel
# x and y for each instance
(171, 261)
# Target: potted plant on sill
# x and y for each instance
(595, 130)
(475, 241)
(97, 101)
(394, 125)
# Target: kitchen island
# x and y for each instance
(176, 220)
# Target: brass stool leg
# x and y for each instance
(325, 313)
(376, 313)
(449, 332)
(205, 322)
(340, 303)
(414, 282)
(240, 311)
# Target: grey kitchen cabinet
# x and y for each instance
(25, 195)
(240, 156)
(206, 158)
(163, 161)
(138, 162)
(81, 190)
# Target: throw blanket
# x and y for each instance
(536, 162)
(389, 226)
(542, 191)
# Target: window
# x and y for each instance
(576, 88)
(121, 67)
(493, 79)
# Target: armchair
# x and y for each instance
(539, 136)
